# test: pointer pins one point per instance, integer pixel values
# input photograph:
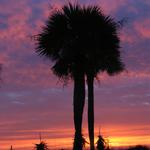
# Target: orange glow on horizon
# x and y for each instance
(115, 140)
(67, 142)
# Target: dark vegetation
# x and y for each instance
(81, 42)
(41, 146)
(139, 147)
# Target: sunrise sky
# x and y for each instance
(33, 100)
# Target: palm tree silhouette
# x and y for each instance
(41, 146)
(82, 42)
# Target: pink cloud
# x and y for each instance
(143, 28)
(127, 37)
(109, 6)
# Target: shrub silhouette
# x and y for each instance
(139, 147)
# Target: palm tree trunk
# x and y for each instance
(90, 80)
(78, 103)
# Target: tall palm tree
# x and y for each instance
(81, 42)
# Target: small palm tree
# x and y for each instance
(41, 146)
(81, 42)
(102, 143)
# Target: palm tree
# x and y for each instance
(81, 42)
(41, 146)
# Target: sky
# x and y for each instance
(33, 100)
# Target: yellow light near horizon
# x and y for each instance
(129, 141)
(117, 137)
(67, 142)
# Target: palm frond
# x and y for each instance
(81, 37)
